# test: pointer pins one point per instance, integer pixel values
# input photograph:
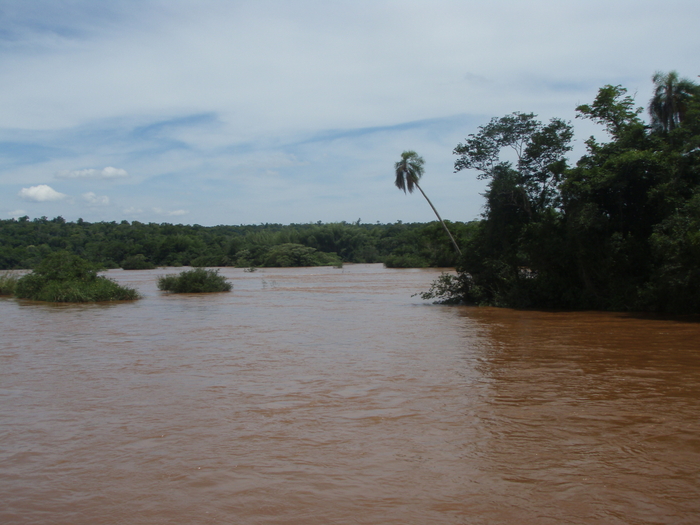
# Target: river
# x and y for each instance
(332, 396)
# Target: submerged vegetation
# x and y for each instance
(197, 280)
(64, 277)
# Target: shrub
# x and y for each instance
(8, 283)
(64, 277)
(197, 280)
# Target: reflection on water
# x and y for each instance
(325, 395)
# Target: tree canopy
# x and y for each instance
(620, 230)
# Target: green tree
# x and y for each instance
(408, 171)
(672, 96)
(524, 162)
(612, 108)
(540, 151)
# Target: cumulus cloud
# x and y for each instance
(95, 200)
(41, 193)
(106, 173)
(16, 214)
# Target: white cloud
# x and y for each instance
(284, 133)
(41, 193)
(16, 214)
(96, 200)
(106, 173)
(174, 213)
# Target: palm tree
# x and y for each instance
(669, 104)
(409, 170)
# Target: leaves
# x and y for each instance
(611, 108)
(409, 170)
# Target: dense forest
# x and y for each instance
(620, 230)
(24, 243)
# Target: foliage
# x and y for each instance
(408, 171)
(291, 254)
(24, 242)
(8, 282)
(64, 277)
(672, 96)
(428, 246)
(531, 183)
(137, 262)
(197, 280)
(619, 231)
(446, 289)
(612, 108)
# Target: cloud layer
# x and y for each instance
(271, 111)
(91, 173)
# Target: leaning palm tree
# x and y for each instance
(409, 170)
(669, 104)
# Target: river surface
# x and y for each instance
(332, 396)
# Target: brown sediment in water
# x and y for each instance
(326, 395)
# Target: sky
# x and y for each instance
(248, 112)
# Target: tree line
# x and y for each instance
(619, 230)
(24, 243)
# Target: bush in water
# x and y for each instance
(67, 278)
(8, 283)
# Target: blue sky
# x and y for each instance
(241, 112)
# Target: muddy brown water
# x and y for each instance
(331, 396)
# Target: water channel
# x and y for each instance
(332, 396)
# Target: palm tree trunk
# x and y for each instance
(454, 243)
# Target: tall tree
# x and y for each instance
(409, 170)
(669, 104)
(540, 150)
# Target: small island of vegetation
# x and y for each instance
(66, 278)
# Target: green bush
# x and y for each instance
(64, 277)
(197, 280)
(8, 283)
(137, 262)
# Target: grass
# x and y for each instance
(66, 278)
(197, 280)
